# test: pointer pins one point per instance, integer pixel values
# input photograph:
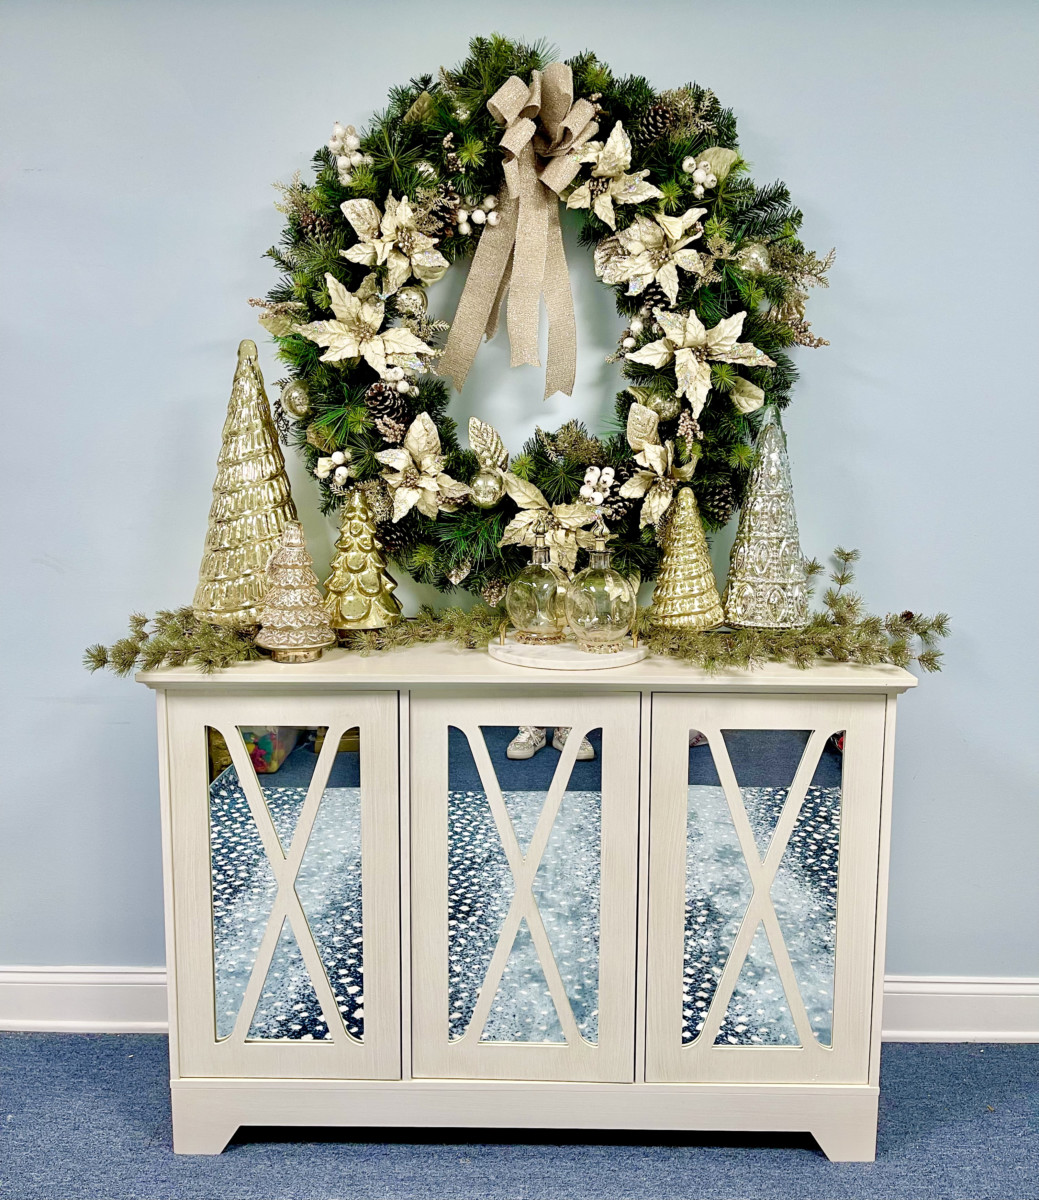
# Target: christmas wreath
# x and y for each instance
(706, 267)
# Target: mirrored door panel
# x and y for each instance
(523, 855)
(753, 849)
(299, 911)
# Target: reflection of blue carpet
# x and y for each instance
(760, 758)
(532, 774)
(88, 1116)
(764, 758)
(298, 770)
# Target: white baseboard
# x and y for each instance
(133, 1000)
(83, 999)
(933, 1008)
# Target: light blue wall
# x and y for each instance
(139, 142)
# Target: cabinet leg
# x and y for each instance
(197, 1129)
(845, 1140)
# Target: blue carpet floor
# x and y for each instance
(88, 1116)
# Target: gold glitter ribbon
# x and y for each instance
(523, 254)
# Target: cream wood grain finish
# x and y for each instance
(847, 1060)
(843, 1120)
(404, 909)
(168, 876)
(447, 667)
(199, 1051)
(883, 862)
(611, 1058)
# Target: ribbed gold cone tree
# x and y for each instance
(251, 503)
(360, 589)
(685, 596)
(768, 586)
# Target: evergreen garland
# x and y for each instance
(841, 631)
(437, 143)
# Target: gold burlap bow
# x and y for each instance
(523, 254)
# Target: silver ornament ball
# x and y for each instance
(294, 400)
(755, 259)
(412, 301)
(487, 487)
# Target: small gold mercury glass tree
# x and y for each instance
(293, 619)
(360, 589)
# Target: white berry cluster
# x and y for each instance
(338, 466)
(485, 212)
(635, 327)
(346, 146)
(700, 173)
(403, 384)
(597, 484)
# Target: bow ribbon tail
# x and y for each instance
(477, 309)
(528, 263)
(559, 303)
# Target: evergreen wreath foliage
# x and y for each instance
(437, 143)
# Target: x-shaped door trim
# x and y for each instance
(524, 868)
(762, 872)
(285, 867)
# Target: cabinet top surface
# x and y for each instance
(447, 666)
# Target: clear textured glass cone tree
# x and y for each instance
(251, 503)
(685, 596)
(767, 586)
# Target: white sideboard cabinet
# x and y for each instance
(671, 917)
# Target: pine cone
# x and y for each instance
(717, 501)
(395, 540)
(657, 121)
(383, 400)
(313, 224)
(654, 297)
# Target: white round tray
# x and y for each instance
(562, 656)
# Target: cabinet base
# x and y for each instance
(841, 1118)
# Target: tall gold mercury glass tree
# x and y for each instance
(251, 503)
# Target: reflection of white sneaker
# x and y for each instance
(527, 742)
(559, 736)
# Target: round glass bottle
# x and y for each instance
(600, 602)
(535, 598)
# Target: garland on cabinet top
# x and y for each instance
(706, 268)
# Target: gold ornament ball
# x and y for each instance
(294, 400)
(667, 407)
(411, 301)
(488, 487)
(755, 259)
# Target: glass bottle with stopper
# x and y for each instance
(600, 602)
(535, 598)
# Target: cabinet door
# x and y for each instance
(286, 885)
(524, 889)
(764, 833)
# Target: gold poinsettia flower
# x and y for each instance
(610, 182)
(562, 523)
(417, 478)
(655, 483)
(693, 348)
(394, 241)
(355, 331)
(651, 249)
